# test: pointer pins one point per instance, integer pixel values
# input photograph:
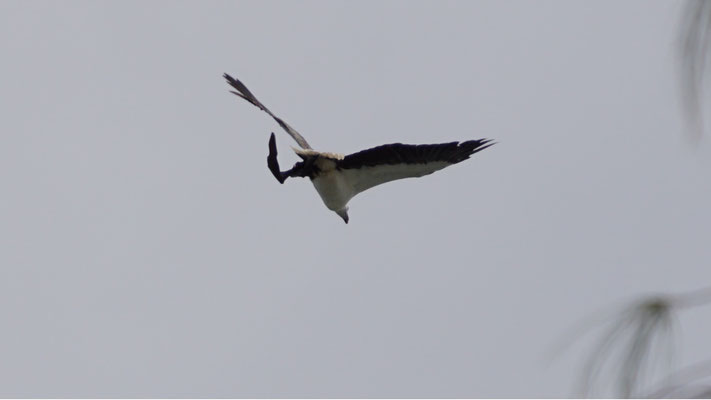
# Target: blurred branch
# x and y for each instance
(695, 47)
(692, 299)
(684, 383)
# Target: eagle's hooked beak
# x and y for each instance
(343, 214)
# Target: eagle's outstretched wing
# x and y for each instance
(389, 162)
(244, 93)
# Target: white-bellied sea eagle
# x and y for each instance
(338, 178)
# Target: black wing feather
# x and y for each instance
(398, 153)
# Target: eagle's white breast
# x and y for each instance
(333, 187)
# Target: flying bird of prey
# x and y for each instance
(338, 178)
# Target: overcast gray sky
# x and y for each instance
(147, 250)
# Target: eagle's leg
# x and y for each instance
(272, 161)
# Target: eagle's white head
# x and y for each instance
(343, 213)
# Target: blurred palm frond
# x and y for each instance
(637, 347)
(633, 349)
(694, 49)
